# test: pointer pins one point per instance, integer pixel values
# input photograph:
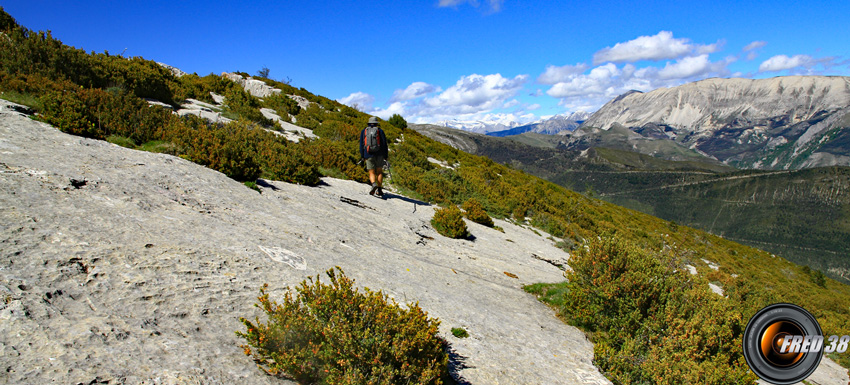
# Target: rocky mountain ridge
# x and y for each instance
(777, 123)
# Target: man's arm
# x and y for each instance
(387, 146)
(362, 148)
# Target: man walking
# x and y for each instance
(374, 149)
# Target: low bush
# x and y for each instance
(282, 104)
(287, 162)
(231, 149)
(475, 212)
(245, 106)
(398, 121)
(334, 155)
(651, 321)
(449, 222)
(96, 113)
(335, 334)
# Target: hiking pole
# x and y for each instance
(389, 169)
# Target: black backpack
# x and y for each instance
(372, 141)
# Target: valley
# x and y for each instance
(803, 215)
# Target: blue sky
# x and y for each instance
(433, 60)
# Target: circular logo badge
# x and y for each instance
(774, 344)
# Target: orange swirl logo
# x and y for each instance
(783, 344)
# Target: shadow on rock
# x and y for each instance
(457, 362)
(406, 199)
(262, 183)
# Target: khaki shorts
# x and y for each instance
(376, 161)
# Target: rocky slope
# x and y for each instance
(127, 267)
(779, 123)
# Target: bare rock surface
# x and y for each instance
(290, 131)
(204, 110)
(125, 267)
(253, 86)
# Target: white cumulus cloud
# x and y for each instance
(555, 74)
(476, 93)
(471, 97)
(783, 62)
(589, 91)
(394, 108)
(595, 83)
(413, 91)
(662, 46)
(359, 100)
(686, 67)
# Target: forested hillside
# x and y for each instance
(801, 215)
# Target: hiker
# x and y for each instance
(374, 150)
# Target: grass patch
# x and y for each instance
(552, 294)
(332, 172)
(460, 332)
(253, 186)
(122, 141)
(159, 146)
(25, 99)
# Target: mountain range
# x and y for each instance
(480, 126)
(549, 126)
(508, 125)
(779, 123)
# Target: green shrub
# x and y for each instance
(96, 113)
(449, 222)
(475, 212)
(335, 334)
(282, 104)
(334, 155)
(652, 322)
(196, 87)
(245, 105)
(231, 149)
(398, 121)
(287, 162)
(71, 114)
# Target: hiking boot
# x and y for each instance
(374, 189)
(380, 192)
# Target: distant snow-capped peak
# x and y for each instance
(496, 123)
(479, 126)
